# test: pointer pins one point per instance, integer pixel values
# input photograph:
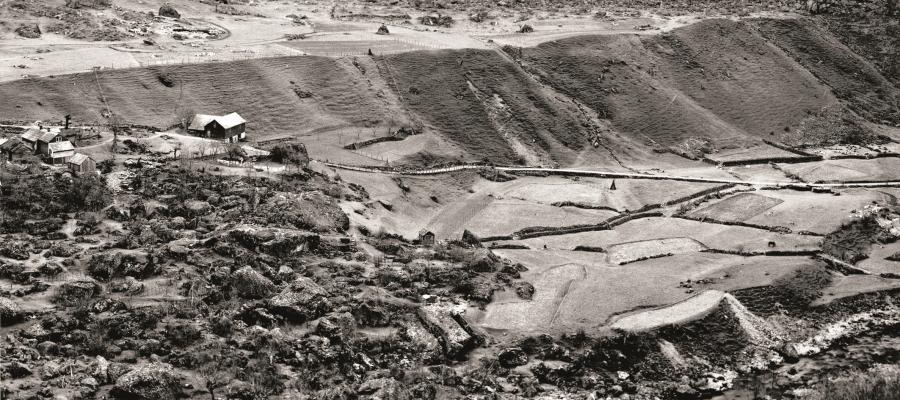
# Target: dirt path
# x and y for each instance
(617, 175)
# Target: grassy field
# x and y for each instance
(847, 170)
(819, 213)
(714, 236)
(740, 207)
(850, 77)
(569, 286)
(756, 152)
(504, 217)
(622, 253)
(629, 194)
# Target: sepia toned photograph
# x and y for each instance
(449, 199)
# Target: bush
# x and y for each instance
(438, 20)
(879, 383)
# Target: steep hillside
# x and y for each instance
(851, 77)
(277, 95)
(715, 80)
(484, 103)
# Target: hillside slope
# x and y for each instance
(263, 91)
(714, 85)
(485, 104)
(715, 80)
(851, 77)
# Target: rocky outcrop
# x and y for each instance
(300, 301)
(153, 381)
(250, 284)
(274, 241)
(10, 312)
(71, 293)
(445, 321)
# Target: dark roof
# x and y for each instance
(48, 137)
(32, 135)
(78, 159)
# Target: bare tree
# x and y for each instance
(184, 116)
(117, 125)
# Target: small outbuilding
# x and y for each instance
(11, 146)
(59, 152)
(230, 128)
(426, 238)
(82, 164)
(30, 138)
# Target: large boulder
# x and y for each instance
(274, 241)
(312, 211)
(10, 312)
(168, 11)
(154, 381)
(512, 357)
(445, 321)
(195, 208)
(71, 293)
(301, 300)
(106, 266)
(483, 260)
(337, 327)
(250, 284)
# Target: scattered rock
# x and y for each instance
(512, 357)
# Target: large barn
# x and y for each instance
(230, 128)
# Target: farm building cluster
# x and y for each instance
(49, 144)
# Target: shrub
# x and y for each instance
(879, 383)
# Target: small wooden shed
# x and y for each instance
(426, 238)
(82, 164)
